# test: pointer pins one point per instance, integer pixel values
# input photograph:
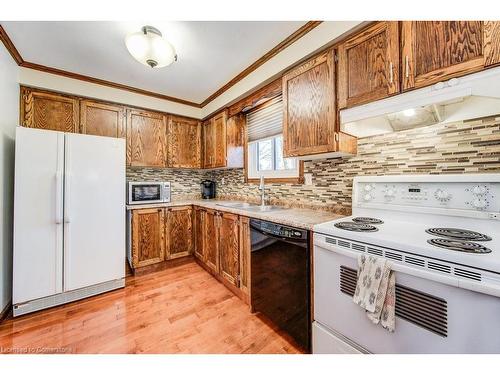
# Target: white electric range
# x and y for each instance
(441, 234)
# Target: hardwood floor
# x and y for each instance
(177, 310)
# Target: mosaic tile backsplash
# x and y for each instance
(465, 147)
(185, 183)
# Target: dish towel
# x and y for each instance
(376, 290)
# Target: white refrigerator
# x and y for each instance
(69, 218)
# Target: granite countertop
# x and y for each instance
(296, 217)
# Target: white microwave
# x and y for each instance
(148, 192)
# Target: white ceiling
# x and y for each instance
(210, 53)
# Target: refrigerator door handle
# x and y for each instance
(67, 192)
(59, 213)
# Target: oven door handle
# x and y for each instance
(299, 242)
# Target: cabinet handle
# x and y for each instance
(407, 66)
(391, 74)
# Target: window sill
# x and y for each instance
(281, 180)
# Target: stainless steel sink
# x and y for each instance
(250, 206)
(265, 208)
(240, 205)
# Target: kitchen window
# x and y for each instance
(265, 144)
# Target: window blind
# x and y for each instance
(266, 122)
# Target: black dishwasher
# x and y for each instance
(280, 277)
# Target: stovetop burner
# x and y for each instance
(355, 227)
(457, 245)
(458, 234)
(367, 220)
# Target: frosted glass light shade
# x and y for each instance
(150, 48)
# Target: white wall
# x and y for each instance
(9, 117)
(35, 78)
(317, 38)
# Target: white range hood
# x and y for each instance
(472, 96)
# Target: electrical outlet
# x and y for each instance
(308, 179)
(223, 181)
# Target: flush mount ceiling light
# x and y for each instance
(150, 48)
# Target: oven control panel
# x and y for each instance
(477, 196)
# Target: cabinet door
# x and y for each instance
(235, 133)
(146, 138)
(219, 124)
(369, 65)
(148, 244)
(433, 51)
(209, 144)
(102, 119)
(491, 43)
(199, 230)
(309, 107)
(229, 247)
(184, 143)
(245, 245)
(179, 235)
(211, 240)
(49, 111)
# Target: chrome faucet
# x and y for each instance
(263, 191)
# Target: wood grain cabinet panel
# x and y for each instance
(245, 247)
(208, 144)
(148, 245)
(235, 133)
(433, 51)
(102, 119)
(491, 43)
(184, 143)
(368, 65)
(219, 124)
(211, 240)
(215, 141)
(229, 247)
(199, 230)
(179, 234)
(309, 115)
(49, 111)
(146, 138)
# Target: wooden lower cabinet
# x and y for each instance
(229, 247)
(148, 241)
(219, 240)
(211, 240)
(178, 232)
(198, 231)
(245, 247)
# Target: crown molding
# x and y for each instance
(269, 55)
(273, 52)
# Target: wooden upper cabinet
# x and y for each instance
(214, 141)
(235, 133)
(146, 138)
(368, 65)
(219, 124)
(208, 144)
(184, 143)
(179, 237)
(102, 119)
(433, 51)
(49, 111)
(199, 230)
(309, 116)
(148, 244)
(229, 247)
(491, 43)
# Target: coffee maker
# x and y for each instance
(208, 189)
